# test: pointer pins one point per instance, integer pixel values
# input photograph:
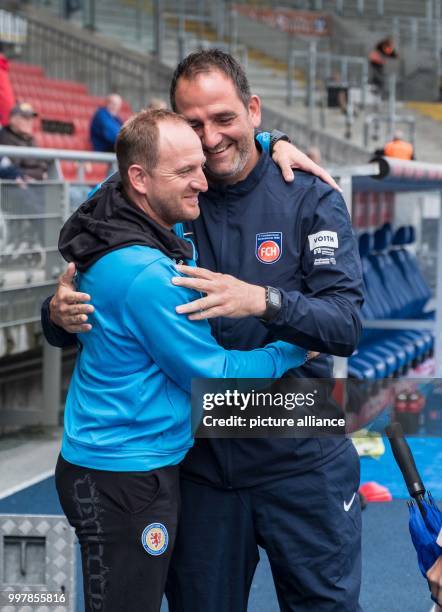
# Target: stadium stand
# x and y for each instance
(61, 104)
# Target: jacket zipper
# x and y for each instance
(223, 266)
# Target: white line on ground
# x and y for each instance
(27, 483)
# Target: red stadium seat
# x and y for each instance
(96, 172)
(70, 170)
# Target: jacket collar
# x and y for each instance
(109, 221)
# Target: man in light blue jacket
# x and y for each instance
(127, 419)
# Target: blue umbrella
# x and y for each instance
(424, 530)
(425, 517)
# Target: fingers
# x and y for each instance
(195, 272)
(73, 297)
(209, 313)
(287, 172)
(327, 178)
(196, 306)
(79, 329)
(198, 284)
(71, 310)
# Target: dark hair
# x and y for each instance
(137, 142)
(207, 61)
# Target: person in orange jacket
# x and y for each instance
(398, 147)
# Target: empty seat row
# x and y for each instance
(394, 288)
(24, 92)
(89, 172)
(62, 141)
(25, 69)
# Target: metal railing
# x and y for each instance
(305, 136)
(31, 216)
(390, 119)
(322, 66)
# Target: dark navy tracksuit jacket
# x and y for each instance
(296, 237)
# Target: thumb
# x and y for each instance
(67, 278)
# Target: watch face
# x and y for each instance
(274, 297)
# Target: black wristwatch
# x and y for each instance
(273, 304)
(276, 136)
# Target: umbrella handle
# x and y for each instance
(405, 461)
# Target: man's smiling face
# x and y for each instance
(211, 104)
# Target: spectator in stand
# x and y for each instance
(398, 147)
(378, 57)
(20, 133)
(106, 124)
(7, 98)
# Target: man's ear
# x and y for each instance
(138, 178)
(254, 108)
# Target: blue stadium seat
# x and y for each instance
(389, 272)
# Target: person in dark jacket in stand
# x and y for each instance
(20, 133)
(277, 260)
(378, 57)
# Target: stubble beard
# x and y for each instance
(243, 154)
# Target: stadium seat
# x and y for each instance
(69, 170)
(389, 293)
(97, 173)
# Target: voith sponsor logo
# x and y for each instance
(268, 247)
(324, 238)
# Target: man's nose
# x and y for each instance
(199, 183)
(211, 137)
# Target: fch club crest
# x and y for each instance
(268, 247)
(155, 539)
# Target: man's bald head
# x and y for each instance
(113, 103)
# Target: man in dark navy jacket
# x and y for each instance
(277, 260)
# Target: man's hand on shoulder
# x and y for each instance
(67, 308)
(287, 156)
(226, 296)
